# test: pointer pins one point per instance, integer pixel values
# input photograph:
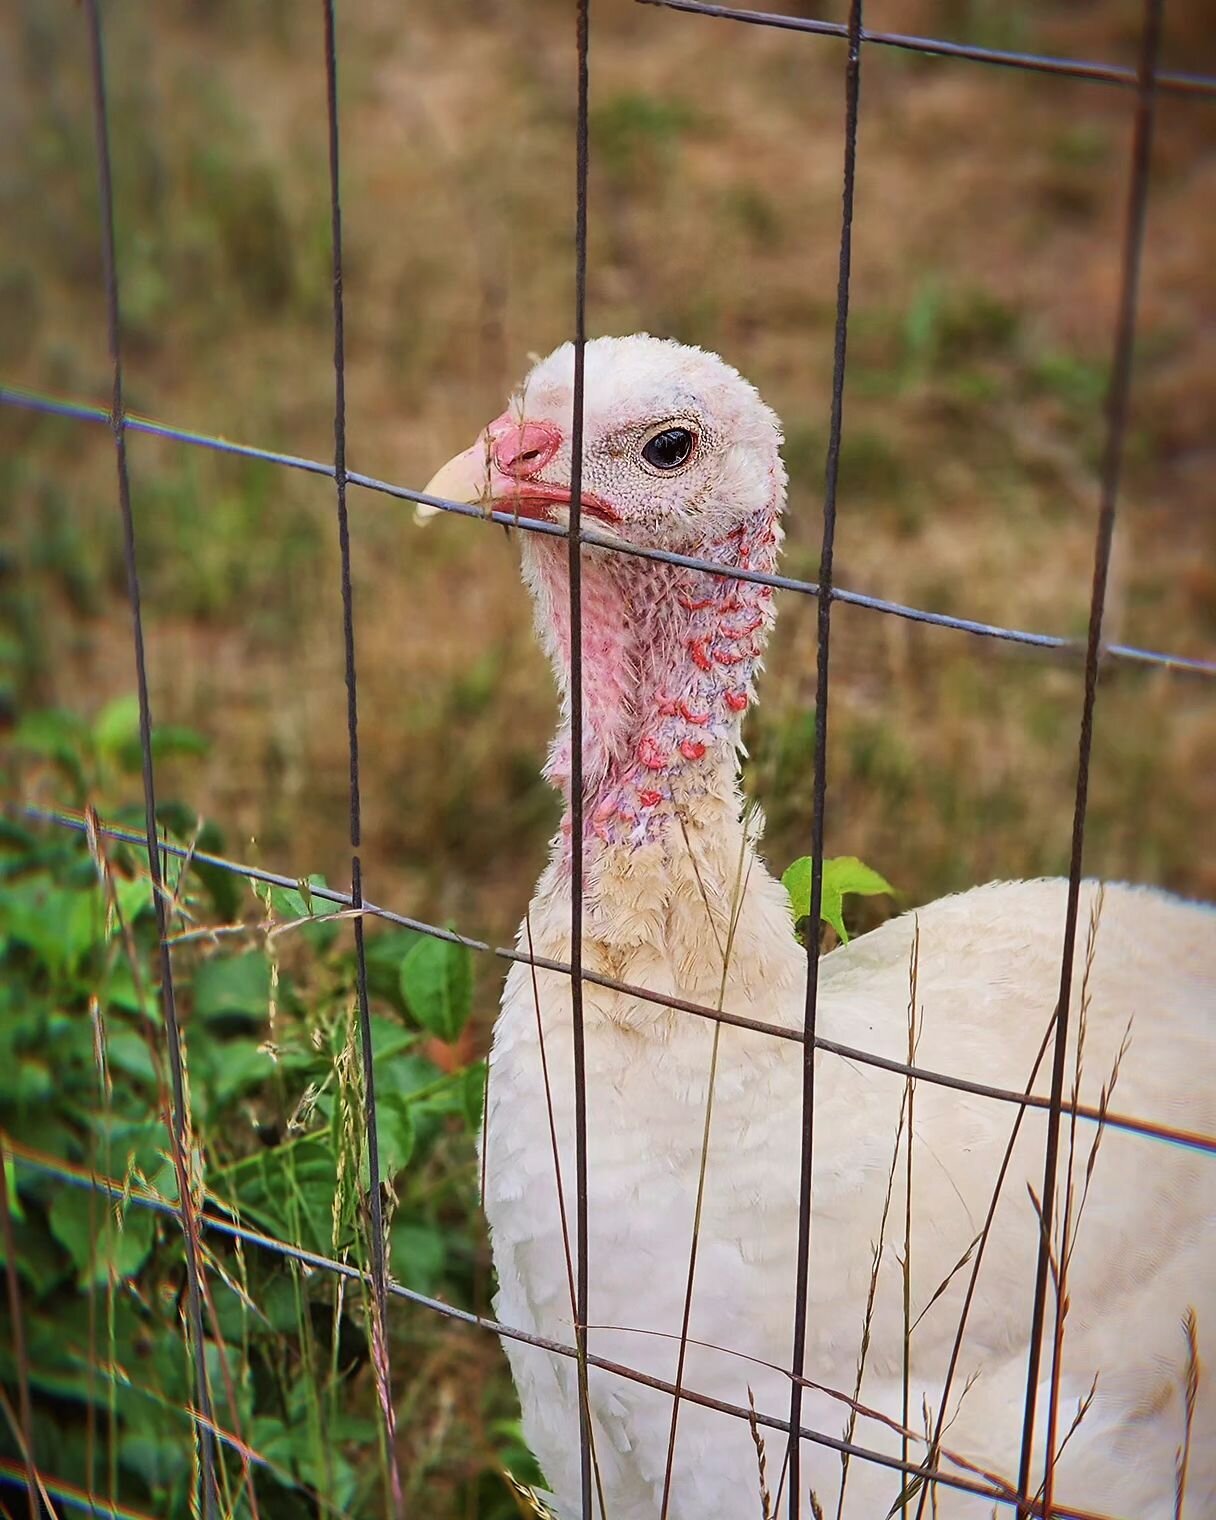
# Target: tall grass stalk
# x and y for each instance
(349, 1206)
(1190, 1396)
(878, 1246)
(1069, 1217)
(914, 1024)
(976, 1252)
(116, 932)
(584, 1389)
(738, 890)
(766, 1499)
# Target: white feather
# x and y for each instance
(665, 895)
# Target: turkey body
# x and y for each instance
(987, 982)
(680, 454)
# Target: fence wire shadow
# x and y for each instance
(195, 1218)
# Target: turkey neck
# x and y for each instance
(669, 661)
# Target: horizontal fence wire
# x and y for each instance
(126, 1192)
(1130, 1124)
(81, 411)
(1169, 81)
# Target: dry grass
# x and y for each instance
(986, 254)
(986, 263)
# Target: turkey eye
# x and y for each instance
(669, 449)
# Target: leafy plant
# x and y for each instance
(843, 876)
(266, 982)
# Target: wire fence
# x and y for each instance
(1147, 82)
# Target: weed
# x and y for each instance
(635, 133)
(756, 214)
(1077, 382)
(277, 1106)
(944, 329)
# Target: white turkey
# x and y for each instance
(681, 454)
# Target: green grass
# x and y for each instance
(265, 980)
(637, 133)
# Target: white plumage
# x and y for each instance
(681, 454)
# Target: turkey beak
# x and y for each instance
(502, 471)
(466, 478)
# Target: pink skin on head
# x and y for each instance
(515, 453)
(522, 449)
(670, 656)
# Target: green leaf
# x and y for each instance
(848, 874)
(128, 1052)
(474, 1094)
(300, 901)
(228, 985)
(83, 927)
(394, 1135)
(116, 735)
(33, 1083)
(280, 1301)
(239, 1065)
(288, 1190)
(124, 1144)
(40, 1259)
(437, 983)
(134, 897)
(56, 923)
(53, 734)
(15, 1210)
(174, 739)
(405, 1074)
(57, 736)
(121, 992)
(389, 1039)
(796, 879)
(86, 1228)
(157, 1461)
(843, 875)
(116, 727)
(418, 1255)
(384, 953)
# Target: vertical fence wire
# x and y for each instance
(582, 143)
(379, 1270)
(1112, 460)
(179, 1127)
(824, 624)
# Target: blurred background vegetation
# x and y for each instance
(986, 257)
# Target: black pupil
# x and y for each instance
(669, 449)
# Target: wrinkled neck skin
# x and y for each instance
(670, 657)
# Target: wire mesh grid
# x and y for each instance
(1147, 82)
